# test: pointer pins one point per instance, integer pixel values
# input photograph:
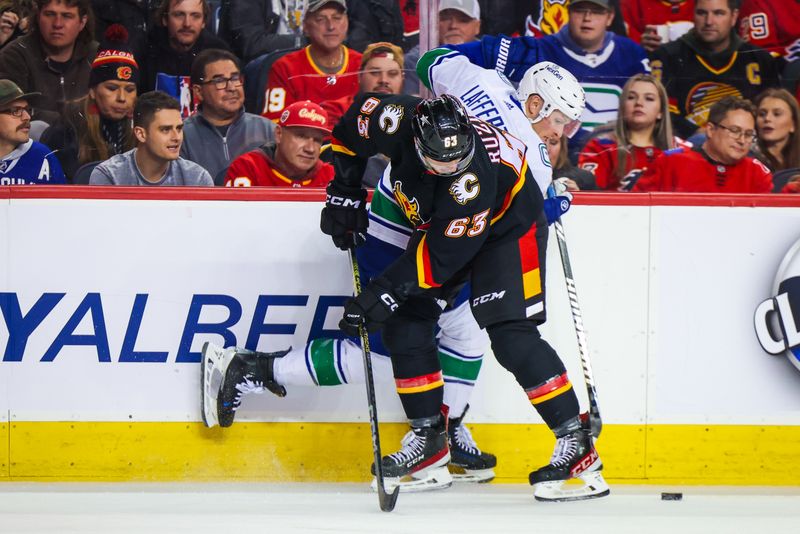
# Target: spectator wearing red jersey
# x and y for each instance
(293, 159)
(324, 70)
(721, 164)
(652, 23)
(772, 25)
(645, 131)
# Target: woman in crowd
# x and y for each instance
(99, 126)
(617, 154)
(777, 120)
(14, 19)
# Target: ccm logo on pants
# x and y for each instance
(488, 297)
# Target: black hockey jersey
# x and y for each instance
(695, 78)
(493, 200)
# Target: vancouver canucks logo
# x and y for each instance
(465, 188)
(389, 120)
(777, 318)
(409, 206)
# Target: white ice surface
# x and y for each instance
(289, 508)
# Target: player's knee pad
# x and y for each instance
(519, 348)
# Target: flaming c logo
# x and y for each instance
(409, 206)
(124, 73)
(553, 14)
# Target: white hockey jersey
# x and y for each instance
(491, 98)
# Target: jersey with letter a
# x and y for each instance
(31, 163)
(493, 200)
(691, 171)
(773, 25)
(296, 77)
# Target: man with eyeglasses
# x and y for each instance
(221, 130)
(720, 164)
(23, 160)
(173, 46)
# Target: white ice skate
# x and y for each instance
(213, 363)
(574, 459)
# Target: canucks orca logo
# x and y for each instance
(409, 206)
(776, 319)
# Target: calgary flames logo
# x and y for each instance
(124, 73)
(409, 206)
(553, 14)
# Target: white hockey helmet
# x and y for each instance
(558, 88)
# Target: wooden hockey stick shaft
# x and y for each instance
(595, 421)
(386, 501)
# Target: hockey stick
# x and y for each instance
(595, 422)
(386, 500)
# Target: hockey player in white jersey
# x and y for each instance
(488, 97)
(547, 105)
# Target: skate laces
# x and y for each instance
(245, 387)
(465, 441)
(412, 445)
(566, 447)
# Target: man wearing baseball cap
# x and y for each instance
(23, 160)
(293, 159)
(324, 70)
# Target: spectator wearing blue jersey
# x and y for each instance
(23, 160)
(601, 60)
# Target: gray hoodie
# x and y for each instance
(122, 170)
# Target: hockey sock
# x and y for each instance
(329, 362)
(459, 372)
(537, 368)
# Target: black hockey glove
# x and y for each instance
(344, 216)
(372, 308)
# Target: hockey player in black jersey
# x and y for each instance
(479, 216)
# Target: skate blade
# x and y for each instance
(480, 476)
(212, 362)
(593, 487)
(427, 480)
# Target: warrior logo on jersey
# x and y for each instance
(553, 14)
(409, 206)
(465, 188)
(702, 96)
(777, 318)
(389, 120)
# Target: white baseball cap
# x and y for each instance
(469, 7)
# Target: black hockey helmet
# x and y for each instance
(443, 134)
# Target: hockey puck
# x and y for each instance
(671, 496)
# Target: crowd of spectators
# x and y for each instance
(246, 92)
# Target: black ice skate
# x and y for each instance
(574, 457)
(421, 463)
(240, 371)
(467, 462)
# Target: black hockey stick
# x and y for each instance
(386, 500)
(595, 422)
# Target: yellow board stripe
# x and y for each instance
(531, 283)
(554, 393)
(420, 389)
(288, 452)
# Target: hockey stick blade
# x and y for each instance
(386, 500)
(595, 421)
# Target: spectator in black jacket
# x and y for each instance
(254, 28)
(135, 15)
(172, 47)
